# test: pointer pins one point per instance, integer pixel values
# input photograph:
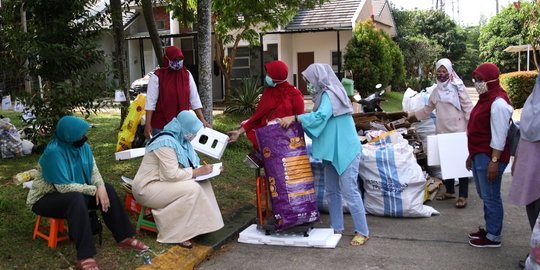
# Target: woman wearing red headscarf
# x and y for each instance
(279, 99)
(488, 151)
(171, 89)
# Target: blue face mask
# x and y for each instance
(176, 64)
(269, 81)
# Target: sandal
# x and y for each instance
(445, 196)
(359, 240)
(461, 202)
(133, 243)
(186, 244)
(87, 264)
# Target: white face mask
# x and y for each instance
(189, 136)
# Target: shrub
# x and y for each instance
(244, 99)
(519, 86)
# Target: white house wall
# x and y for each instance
(322, 44)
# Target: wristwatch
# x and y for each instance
(494, 159)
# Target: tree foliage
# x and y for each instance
(503, 30)
(373, 58)
(61, 49)
(425, 36)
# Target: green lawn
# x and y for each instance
(233, 189)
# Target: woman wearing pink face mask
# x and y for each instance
(453, 105)
(171, 89)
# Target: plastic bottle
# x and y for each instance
(24, 176)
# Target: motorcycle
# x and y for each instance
(372, 102)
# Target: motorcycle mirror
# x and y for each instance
(378, 86)
(357, 97)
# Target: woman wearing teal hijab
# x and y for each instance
(69, 185)
(182, 207)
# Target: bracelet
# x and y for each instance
(296, 118)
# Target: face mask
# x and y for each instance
(176, 64)
(269, 81)
(311, 90)
(189, 136)
(443, 77)
(80, 142)
(481, 87)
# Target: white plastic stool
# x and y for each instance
(210, 142)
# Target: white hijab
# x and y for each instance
(323, 79)
(448, 91)
(529, 124)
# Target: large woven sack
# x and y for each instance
(288, 172)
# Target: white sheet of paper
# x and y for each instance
(432, 151)
(216, 170)
(453, 153)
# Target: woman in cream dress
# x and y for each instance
(182, 207)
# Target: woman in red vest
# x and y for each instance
(171, 89)
(488, 150)
(278, 100)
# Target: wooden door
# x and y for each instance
(304, 60)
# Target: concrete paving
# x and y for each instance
(438, 242)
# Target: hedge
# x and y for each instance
(519, 86)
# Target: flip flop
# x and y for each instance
(359, 240)
(461, 202)
(445, 196)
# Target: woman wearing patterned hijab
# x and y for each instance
(335, 142)
(69, 185)
(453, 105)
(182, 207)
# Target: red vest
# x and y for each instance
(173, 95)
(479, 126)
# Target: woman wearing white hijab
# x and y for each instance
(331, 127)
(525, 188)
(453, 105)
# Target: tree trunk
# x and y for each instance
(148, 12)
(204, 47)
(118, 34)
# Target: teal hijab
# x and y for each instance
(182, 127)
(63, 163)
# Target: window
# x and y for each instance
(335, 61)
(160, 25)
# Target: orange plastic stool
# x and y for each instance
(56, 231)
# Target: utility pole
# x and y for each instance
(497, 8)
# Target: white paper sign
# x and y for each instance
(19, 106)
(6, 103)
(119, 96)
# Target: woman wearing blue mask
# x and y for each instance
(453, 105)
(331, 127)
(279, 99)
(69, 184)
(171, 89)
(182, 207)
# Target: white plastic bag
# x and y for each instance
(6, 103)
(394, 183)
